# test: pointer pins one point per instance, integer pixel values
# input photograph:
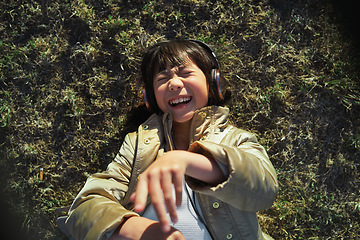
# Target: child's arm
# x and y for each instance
(145, 229)
(96, 211)
(168, 170)
(251, 184)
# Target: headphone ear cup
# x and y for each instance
(150, 101)
(220, 84)
(146, 100)
(215, 76)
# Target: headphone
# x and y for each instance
(219, 84)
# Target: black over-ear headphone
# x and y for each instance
(219, 84)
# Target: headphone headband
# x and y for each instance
(208, 48)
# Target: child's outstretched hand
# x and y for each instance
(168, 170)
(157, 180)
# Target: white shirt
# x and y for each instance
(189, 223)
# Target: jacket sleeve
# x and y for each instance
(251, 184)
(96, 211)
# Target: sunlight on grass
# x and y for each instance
(69, 75)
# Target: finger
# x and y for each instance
(178, 185)
(132, 197)
(140, 196)
(157, 201)
(166, 185)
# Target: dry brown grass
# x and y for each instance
(68, 73)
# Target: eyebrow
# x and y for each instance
(165, 72)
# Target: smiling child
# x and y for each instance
(186, 173)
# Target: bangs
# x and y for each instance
(171, 55)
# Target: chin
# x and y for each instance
(184, 118)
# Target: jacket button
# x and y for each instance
(146, 141)
(204, 115)
(146, 127)
(216, 205)
(229, 236)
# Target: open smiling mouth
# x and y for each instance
(179, 101)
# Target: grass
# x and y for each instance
(68, 76)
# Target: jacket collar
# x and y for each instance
(206, 123)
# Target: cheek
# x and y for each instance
(159, 96)
(205, 98)
(203, 94)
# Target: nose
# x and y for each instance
(175, 84)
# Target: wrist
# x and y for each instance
(125, 231)
(143, 228)
(203, 168)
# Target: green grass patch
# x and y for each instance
(69, 72)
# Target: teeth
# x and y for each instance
(179, 100)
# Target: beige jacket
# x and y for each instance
(229, 209)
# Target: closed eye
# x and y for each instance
(162, 78)
(186, 73)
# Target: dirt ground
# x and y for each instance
(68, 77)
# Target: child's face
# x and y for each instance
(181, 90)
